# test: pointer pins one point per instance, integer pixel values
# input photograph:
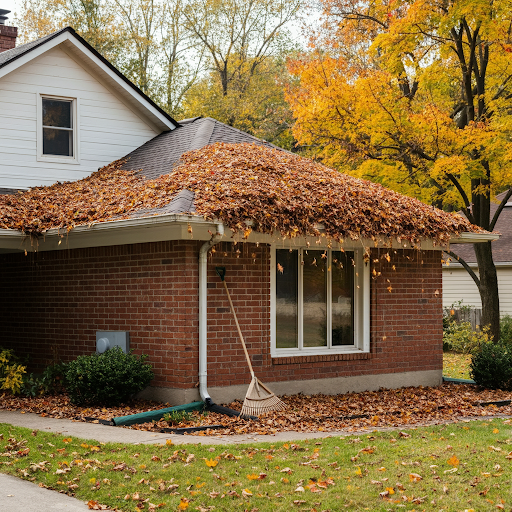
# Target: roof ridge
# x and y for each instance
(203, 133)
(245, 134)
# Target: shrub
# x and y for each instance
(107, 379)
(11, 372)
(51, 381)
(491, 367)
(460, 338)
(506, 330)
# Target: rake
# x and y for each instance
(259, 399)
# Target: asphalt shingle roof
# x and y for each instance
(501, 248)
(10, 55)
(159, 155)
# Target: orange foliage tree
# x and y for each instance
(416, 95)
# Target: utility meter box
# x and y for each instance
(110, 339)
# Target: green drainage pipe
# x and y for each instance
(459, 381)
(144, 417)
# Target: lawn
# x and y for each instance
(456, 365)
(454, 467)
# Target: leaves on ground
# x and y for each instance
(349, 412)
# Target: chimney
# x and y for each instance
(7, 34)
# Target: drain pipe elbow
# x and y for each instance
(203, 338)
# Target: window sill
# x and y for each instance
(58, 159)
(320, 358)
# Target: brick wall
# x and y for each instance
(7, 37)
(54, 302)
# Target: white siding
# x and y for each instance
(458, 285)
(108, 129)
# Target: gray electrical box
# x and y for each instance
(110, 339)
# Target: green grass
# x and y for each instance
(455, 467)
(456, 366)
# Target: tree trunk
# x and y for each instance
(488, 288)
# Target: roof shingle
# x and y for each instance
(159, 155)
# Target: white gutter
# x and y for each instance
(203, 342)
(474, 238)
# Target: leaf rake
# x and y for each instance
(259, 399)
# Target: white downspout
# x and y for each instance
(203, 345)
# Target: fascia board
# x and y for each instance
(181, 227)
(72, 44)
(474, 264)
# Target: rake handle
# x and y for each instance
(238, 327)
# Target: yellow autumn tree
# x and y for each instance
(254, 102)
(417, 95)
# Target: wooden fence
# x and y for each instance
(473, 316)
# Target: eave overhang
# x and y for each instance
(474, 238)
(159, 228)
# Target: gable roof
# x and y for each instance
(159, 155)
(501, 248)
(88, 56)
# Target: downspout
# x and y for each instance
(203, 344)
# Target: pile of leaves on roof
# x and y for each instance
(278, 192)
(316, 413)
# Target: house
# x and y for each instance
(458, 284)
(336, 281)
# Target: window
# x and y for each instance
(58, 129)
(320, 302)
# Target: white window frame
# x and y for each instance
(75, 112)
(361, 310)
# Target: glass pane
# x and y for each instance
(57, 142)
(57, 113)
(342, 298)
(286, 299)
(314, 273)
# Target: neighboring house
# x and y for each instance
(458, 284)
(335, 300)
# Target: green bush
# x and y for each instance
(506, 330)
(11, 372)
(460, 338)
(51, 381)
(491, 367)
(107, 379)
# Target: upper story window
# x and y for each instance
(57, 127)
(320, 302)
(57, 139)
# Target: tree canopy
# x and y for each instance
(218, 58)
(416, 95)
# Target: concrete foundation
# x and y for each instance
(333, 386)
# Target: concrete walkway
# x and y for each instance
(17, 495)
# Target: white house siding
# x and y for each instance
(458, 285)
(108, 129)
